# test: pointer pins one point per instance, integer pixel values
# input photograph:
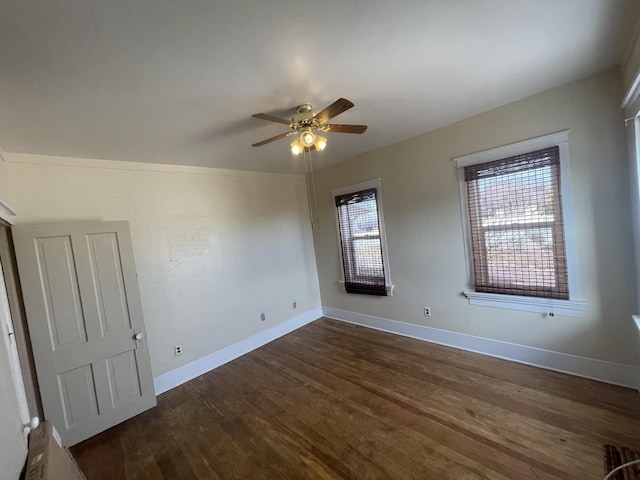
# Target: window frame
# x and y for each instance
(572, 307)
(345, 190)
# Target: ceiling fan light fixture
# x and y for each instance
(305, 124)
(321, 143)
(307, 139)
(296, 147)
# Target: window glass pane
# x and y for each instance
(364, 218)
(523, 257)
(517, 235)
(361, 242)
(368, 257)
(517, 198)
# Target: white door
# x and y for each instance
(85, 320)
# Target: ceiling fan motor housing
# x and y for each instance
(303, 117)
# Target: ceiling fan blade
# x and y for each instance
(336, 108)
(273, 139)
(271, 118)
(336, 128)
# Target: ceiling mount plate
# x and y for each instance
(304, 108)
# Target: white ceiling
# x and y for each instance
(169, 81)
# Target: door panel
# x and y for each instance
(106, 270)
(123, 378)
(83, 309)
(78, 391)
(59, 284)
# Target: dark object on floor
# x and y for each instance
(616, 456)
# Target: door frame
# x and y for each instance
(19, 320)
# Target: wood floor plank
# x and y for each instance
(615, 399)
(433, 429)
(184, 428)
(364, 433)
(264, 423)
(572, 415)
(139, 462)
(102, 457)
(325, 449)
(163, 445)
(338, 401)
(453, 407)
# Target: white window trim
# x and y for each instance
(572, 307)
(374, 183)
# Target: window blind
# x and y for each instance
(360, 242)
(516, 229)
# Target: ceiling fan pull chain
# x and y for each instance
(306, 179)
(313, 183)
(306, 155)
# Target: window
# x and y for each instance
(515, 202)
(517, 235)
(362, 239)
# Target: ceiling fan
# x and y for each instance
(306, 124)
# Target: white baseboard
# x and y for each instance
(609, 372)
(194, 369)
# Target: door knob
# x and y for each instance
(138, 336)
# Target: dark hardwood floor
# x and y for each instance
(338, 401)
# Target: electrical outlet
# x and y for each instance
(177, 349)
(294, 305)
(427, 311)
(263, 317)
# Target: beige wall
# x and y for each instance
(214, 248)
(3, 179)
(631, 66)
(3, 186)
(13, 444)
(631, 72)
(425, 236)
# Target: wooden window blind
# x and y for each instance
(517, 232)
(361, 244)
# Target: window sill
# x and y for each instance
(388, 288)
(565, 308)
